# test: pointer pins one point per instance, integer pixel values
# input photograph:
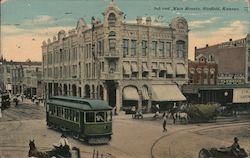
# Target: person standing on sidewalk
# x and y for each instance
(164, 122)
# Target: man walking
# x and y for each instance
(164, 122)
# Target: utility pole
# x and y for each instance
(95, 57)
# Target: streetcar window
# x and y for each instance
(90, 117)
(99, 117)
(63, 114)
(108, 116)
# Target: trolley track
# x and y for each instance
(194, 130)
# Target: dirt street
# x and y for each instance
(131, 138)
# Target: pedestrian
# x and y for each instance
(157, 110)
(164, 122)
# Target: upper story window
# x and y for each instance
(180, 48)
(154, 48)
(161, 49)
(112, 41)
(133, 47)
(112, 19)
(168, 49)
(125, 47)
(144, 48)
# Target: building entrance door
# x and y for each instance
(111, 92)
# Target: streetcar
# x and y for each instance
(4, 100)
(87, 119)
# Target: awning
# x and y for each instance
(162, 67)
(145, 95)
(167, 93)
(241, 95)
(169, 69)
(134, 67)
(180, 69)
(130, 93)
(126, 68)
(154, 66)
(144, 67)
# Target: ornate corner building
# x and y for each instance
(123, 63)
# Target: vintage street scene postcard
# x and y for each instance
(125, 79)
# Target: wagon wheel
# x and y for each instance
(204, 153)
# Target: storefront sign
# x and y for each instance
(241, 95)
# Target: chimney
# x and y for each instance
(148, 20)
(139, 20)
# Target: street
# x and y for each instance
(131, 138)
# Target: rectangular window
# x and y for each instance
(112, 44)
(99, 48)
(133, 47)
(154, 48)
(125, 47)
(87, 51)
(102, 66)
(144, 48)
(99, 117)
(168, 49)
(161, 49)
(90, 117)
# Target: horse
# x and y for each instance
(33, 152)
(182, 116)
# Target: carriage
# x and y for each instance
(85, 119)
(222, 153)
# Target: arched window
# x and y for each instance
(112, 19)
(180, 48)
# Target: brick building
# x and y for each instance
(202, 71)
(232, 58)
(123, 63)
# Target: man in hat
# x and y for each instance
(64, 146)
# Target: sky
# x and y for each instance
(26, 23)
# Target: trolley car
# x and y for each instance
(86, 119)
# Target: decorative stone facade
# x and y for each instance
(102, 60)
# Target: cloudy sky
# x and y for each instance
(26, 23)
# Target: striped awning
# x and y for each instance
(145, 95)
(162, 67)
(167, 93)
(154, 66)
(180, 69)
(126, 68)
(144, 67)
(169, 69)
(134, 67)
(130, 93)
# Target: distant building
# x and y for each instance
(231, 74)
(202, 71)
(233, 59)
(27, 78)
(124, 63)
(21, 77)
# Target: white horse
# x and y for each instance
(182, 116)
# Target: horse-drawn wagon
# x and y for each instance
(222, 153)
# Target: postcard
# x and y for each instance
(125, 78)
